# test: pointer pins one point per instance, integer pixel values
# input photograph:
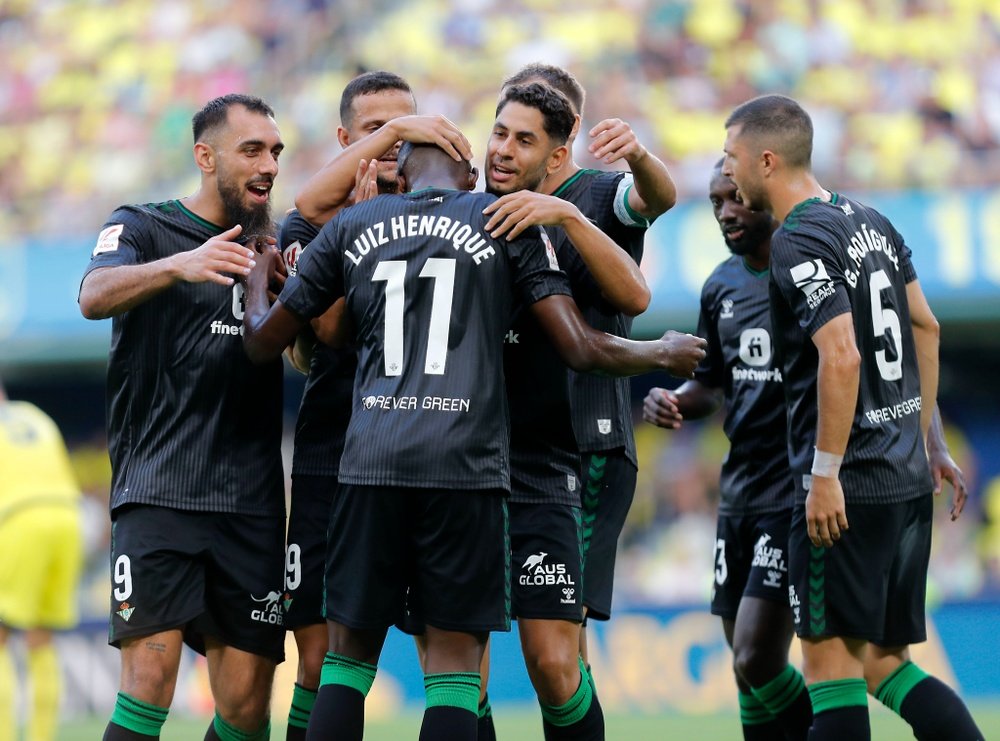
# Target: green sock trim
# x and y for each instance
(781, 691)
(339, 669)
(838, 693)
(138, 716)
(752, 711)
(485, 711)
(453, 689)
(226, 732)
(303, 700)
(575, 708)
(893, 689)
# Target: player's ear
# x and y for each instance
(768, 161)
(576, 126)
(343, 138)
(401, 182)
(473, 178)
(204, 157)
(556, 158)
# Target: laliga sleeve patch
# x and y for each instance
(291, 255)
(550, 251)
(812, 279)
(107, 240)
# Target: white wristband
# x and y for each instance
(826, 464)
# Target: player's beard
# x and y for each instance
(387, 183)
(752, 237)
(255, 218)
(531, 181)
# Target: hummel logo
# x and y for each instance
(437, 199)
(846, 208)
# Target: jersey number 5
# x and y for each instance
(393, 272)
(885, 321)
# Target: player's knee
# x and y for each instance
(311, 667)
(555, 675)
(756, 665)
(248, 711)
(150, 682)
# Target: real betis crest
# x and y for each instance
(125, 610)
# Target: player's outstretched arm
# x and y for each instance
(838, 380)
(114, 290)
(267, 330)
(943, 466)
(654, 191)
(692, 400)
(329, 189)
(926, 339)
(586, 350)
(614, 270)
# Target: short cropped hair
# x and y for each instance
(557, 112)
(780, 124)
(553, 76)
(367, 84)
(216, 112)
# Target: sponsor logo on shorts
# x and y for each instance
(125, 611)
(536, 573)
(270, 611)
(604, 426)
(571, 482)
(771, 559)
(793, 602)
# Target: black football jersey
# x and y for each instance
(430, 296)
(831, 258)
(325, 409)
(192, 423)
(735, 319)
(602, 407)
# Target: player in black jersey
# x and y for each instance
(622, 205)
(529, 140)
(197, 500)
(426, 454)
(750, 593)
(859, 347)
(368, 105)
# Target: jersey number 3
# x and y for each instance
(393, 272)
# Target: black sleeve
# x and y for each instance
(711, 370)
(319, 279)
(810, 277)
(535, 267)
(905, 254)
(121, 241)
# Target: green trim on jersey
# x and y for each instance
(195, 217)
(572, 179)
(755, 273)
(640, 220)
(791, 222)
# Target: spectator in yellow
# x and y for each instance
(40, 559)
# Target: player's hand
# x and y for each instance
(365, 181)
(944, 468)
(269, 271)
(216, 261)
(613, 139)
(433, 130)
(513, 213)
(683, 353)
(826, 513)
(660, 408)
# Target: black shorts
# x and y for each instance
(305, 554)
(751, 560)
(444, 553)
(210, 573)
(547, 561)
(608, 490)
(871, 584)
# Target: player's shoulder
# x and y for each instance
(725, 276)
(296, 228)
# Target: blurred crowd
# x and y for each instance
(97, 95)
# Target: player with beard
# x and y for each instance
(528, 141)
(197, 498)
(750, 592)
(859, 357)
(622, 205)
(427, 529)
